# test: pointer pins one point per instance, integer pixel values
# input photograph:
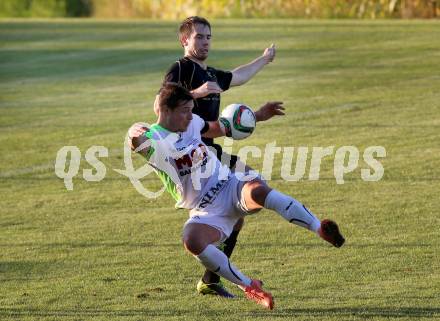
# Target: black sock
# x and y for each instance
(230, 243)
(211, 277)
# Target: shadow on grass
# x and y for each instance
(394, 312)
(367, 312)
(23, 270)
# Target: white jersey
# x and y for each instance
(189, 170)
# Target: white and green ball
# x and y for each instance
(239, 121)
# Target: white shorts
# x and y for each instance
(224, 208)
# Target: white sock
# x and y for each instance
(292, 210)
(216, 261)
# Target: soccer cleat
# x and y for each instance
(329, 231)
(214, 289)
(255, 293)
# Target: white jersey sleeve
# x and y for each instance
(198, 123)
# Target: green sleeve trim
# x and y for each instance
(157, 126)
(170, 186)
(150, 152)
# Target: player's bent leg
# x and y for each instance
(212, 280)
(215, 260)
(198, 239)
(197, 236)
(257, 194)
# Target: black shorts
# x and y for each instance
(225, 158)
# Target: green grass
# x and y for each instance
(103, 252)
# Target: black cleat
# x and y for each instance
(329, 231)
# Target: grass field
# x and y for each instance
(104, 252)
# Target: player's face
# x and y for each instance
(199, 42)
(180, 117)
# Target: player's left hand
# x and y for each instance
(270, 109)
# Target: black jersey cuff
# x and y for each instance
(205, 128)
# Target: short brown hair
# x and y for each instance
(187, 26)
(172, 95)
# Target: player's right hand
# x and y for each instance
(134, 133)
(269, 53)
(209, 87)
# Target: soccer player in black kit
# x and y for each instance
(205, 84)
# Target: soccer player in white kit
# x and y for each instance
(215, 196)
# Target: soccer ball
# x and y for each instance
(239, 121)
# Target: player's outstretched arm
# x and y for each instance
(216, 129)
(269, 109)
(244, 73)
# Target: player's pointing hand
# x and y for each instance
(269, 53)
(135, 135)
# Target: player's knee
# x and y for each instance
(258, 190)
(193, 244)
(259, 194)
